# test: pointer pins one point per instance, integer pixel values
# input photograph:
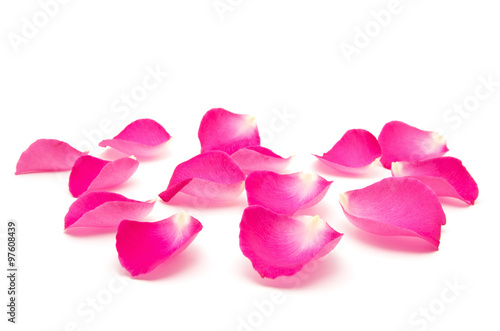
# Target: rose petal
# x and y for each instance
(402, 142)
(285, 194)
(256, 158)
(144, 137)
(445, 175)
(143, 246)
(211, 175)
(396, 206)
(280, 245)
(92, 174)
(226, 131)
(47, 155)
(354, 153)
(105, 210)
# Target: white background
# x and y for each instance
(261, 58)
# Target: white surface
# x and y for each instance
(264, 55)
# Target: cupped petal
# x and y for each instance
(255, 158)
(47, 155)
(92, 174)
(354, 153)
(105, 210)
(144, 137)
(143, 246)
(226, 131)
(280, 245)
(285, 194)
(396, 206)
(212, 175)
(445, 175)
(402, 142)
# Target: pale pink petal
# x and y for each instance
(144, 137)
(280, 245)
(143, 246)
(92, 174)
(226, 131)
(212, 175)
(354, 153)
(47, 155)
(105, 210)
(402, 142)
(445, 175)
(285, 194)
(256, 158)
(396, 206)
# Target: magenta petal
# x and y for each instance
(280, 245)
(226, 131)
(354, 153)
(47, 155)
(105, 210)
(143, 246)
(92, 174)
(402, 142)
(445, 175)
(211, 175)
(396, 206)
(285, 194)
(144, 137)
(256, 158)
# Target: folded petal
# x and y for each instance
(212, 175)
(47, 155)
(143, 246)
(445, 175)
(256, 158)
(396, 206)
(285, 194)
(354, 153)
(105, 210)
(144, 137)
(280, 245)
(402, 142)
(226, 131)
(92, 174)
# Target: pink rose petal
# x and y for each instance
(92, 174)
(47, 155)
(402, 142)
(256, 158)
(144, 137)
(280, 245)
(212, 175)
(396, 206)
(354, 153)
(226, 131)
(445, 175)
(285, 194)
(143, 246)
(105, 210)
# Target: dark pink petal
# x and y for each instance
(285, 194)
(402, 142)
(92, 174)
(256, 158)
(226, 131)
(396, 206)
(105, 210)
(143, 246)
(47, 155)
(354, 153)
(445, 175)
(280, 245)
(211, 175)
(144, 137)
